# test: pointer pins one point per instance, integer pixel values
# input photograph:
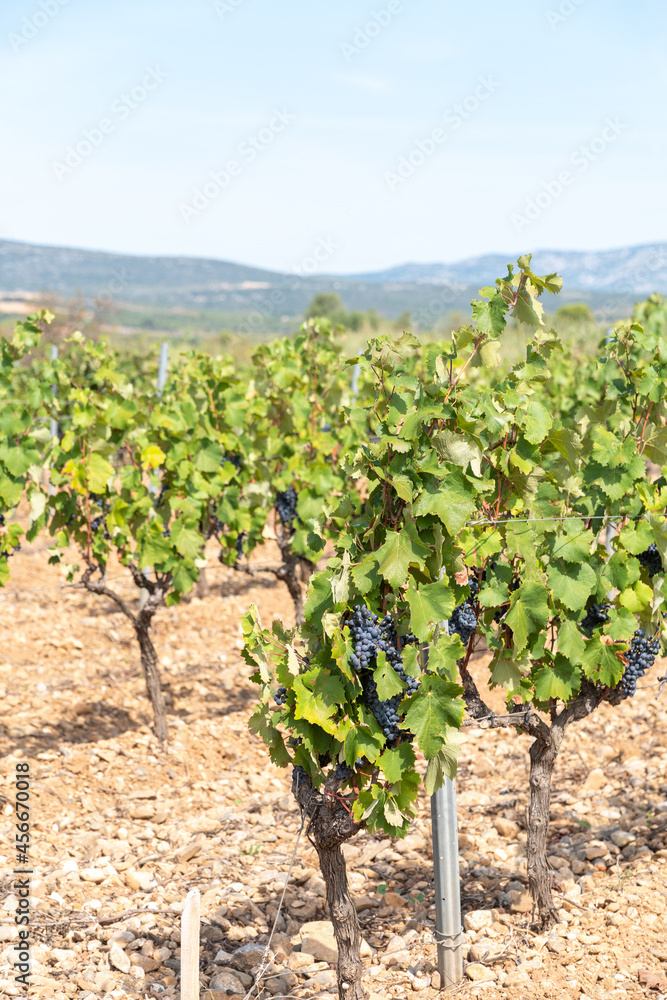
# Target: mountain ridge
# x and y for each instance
(610, 281)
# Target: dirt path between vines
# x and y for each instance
(122, 830)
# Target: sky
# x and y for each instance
(332, 134)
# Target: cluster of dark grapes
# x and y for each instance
(596, 616)
(101, 521)
(370, 635)
(280, 697)
(234, 459)
(641, 657)
(286, 506)
(239, 546)
(651, 559)
(385, 712)
(463, 621)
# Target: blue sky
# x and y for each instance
(402, 130)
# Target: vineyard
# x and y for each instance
(255, 617)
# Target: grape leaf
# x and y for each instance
(394, 762)
(573, 585)
(528, 613)
(560, 681)
(318, 698)
(444, 764)
(396, 555)
(538, 422)
(429, 604)
(451, 500)
(387, 680)
(432, 710)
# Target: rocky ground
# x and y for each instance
(123, 830)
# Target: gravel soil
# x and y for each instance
(122, 830)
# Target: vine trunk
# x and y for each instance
(152, 678)
(330, 825)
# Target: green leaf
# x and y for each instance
(570, 641)
(560, 681)
(387, 680)
(508, 669)
(568, 444)
(319, 598)
(444, 764)
(432, 710)
(573, 585)
(189, 543)
(152, 457)
(396, 555)
(209, 458)
(365, 575)
(452, 500)
(393, 763)
(538, 422)
(319, 695)
(360, 742)
(429, 604)
(98, 472)
(529, 613)
(601, 662)
(403, 486)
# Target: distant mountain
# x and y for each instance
(26, 267)
(610, 281)
(630, 270)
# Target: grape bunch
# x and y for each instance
(651, 559)
(463, 622)
(640, 656)
(100, 520)
(286, 506)
(280, 697)
(234, 459)
(343, 772)
(371, 634)
(239, 546)
(596, 616)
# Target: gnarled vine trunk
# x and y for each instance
(152, 678)
(330, 825)
(141, 622)
(542, 761)
(543, 753)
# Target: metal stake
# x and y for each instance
(356, 372)
(448, 929)
(54, 423)
(163, 367)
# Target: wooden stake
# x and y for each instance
(190, 947)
